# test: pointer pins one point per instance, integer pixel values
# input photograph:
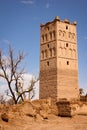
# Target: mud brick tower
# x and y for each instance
(58, 60)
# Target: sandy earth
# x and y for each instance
(78, 122)
(18, 120)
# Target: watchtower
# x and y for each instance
(58, 60)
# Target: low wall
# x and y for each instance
(83, 98)
(71, 108)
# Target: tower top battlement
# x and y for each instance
(58, 19)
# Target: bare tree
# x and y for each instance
(12, 71)
(29, 90)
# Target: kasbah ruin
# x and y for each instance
(60, 105)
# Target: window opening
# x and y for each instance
(48, 45)
(50, 35)
(66, 27)
(45, 53)
(48, 63)
(66, 44)
(67, 62)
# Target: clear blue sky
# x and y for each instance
(20, 26)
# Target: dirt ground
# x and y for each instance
(18, 120)
(78, 122)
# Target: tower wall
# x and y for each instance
(67, 60)
(58, 60)
(48, 62)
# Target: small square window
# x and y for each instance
(66, 27)
(67, 62)
(66, 44)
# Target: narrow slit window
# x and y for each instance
(67, 62)
(48, 63)
(45, 53)
(46, 37)
(48, 45)
(66, 44)
(42, 55)
(66, 27)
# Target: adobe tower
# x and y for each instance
(58, 60)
